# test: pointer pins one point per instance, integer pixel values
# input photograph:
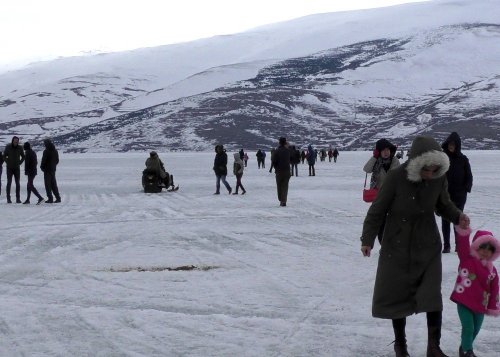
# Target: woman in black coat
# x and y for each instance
(30, 163)
(220, 168)
(459, 178)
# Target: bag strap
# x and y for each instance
(366, 176)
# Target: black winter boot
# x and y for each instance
(434, 339)
(400, 347)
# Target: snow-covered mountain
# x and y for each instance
(343, 78)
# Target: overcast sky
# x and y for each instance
(42, 29)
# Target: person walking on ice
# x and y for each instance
(409, 271)
(238, 172)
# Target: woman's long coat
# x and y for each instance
(409, 269)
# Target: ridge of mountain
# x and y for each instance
(428, 77)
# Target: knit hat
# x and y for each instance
(482, 237)
(27, 146)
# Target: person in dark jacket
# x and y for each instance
(272, 165)
(14, 157)
(335, 154)
(260, 158)
(281, 163)
(30, 164)
(459, 177)
(1, 169)
(409, 272)
(311, 159)
(294, 160)
(220, 168)
(50, 160)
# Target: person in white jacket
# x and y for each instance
(238, 172)
(382, 161)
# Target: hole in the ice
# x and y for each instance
(157, 269)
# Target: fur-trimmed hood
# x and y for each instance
(485, 237)
(425, 151)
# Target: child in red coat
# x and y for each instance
(476, 289)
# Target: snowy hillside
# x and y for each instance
(342, 78)
(90, 276)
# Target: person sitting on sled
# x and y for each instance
(154, 164)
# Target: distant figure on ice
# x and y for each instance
(311, 159)
(400, 154)
(30, 165)
(281, 162)
(220, 169)
(323, 155)
(303, 156)
(335, 154)
(379, 165)
(272, 165)
(409, 272)
(50, 160)
(476, 289)
(238, 172)
(14, 157)
(245, 159)
(260, 158)
(294, 160)
(330, 154)
(154, 164)
(459, 177)
(1, 169)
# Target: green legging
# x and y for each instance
(471, 324)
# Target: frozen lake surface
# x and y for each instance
(89, 276)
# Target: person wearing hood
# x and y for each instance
(220, 169)
(335, 154)
(311, 159)
(50, 160)
(476, 288)
(378, 165)
(154, 164)
(14, 157)
(281, 162)
(409, 272)
(238, 172)
(459, 177)
(30, 170)
(383, 159)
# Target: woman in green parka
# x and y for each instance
(409, 270)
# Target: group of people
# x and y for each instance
(14, 156)
(284, 161)
(435, 179)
